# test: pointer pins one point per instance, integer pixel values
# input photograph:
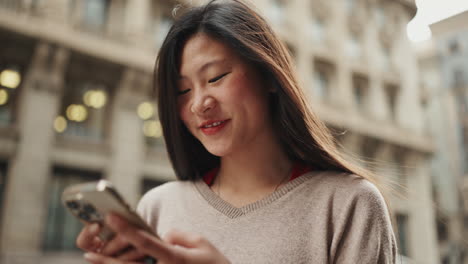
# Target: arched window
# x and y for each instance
(10, 81)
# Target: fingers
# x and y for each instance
(88, 238)
(116, 245)
(187, 240)
(101, 259)
(141, 240)
(131, 254)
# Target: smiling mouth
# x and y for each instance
(215, 124)
(212, 127)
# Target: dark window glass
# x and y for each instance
(454, 47)
(84, 110)
(10, 82)
(95, 14)
(62, 227)
(402, 223)
(323, 79)
(360, 89)
(458, 77)
(392, 94)
(162, 20)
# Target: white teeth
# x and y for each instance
(214, 124)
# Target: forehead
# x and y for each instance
(201, 49)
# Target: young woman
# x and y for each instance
(260, 178)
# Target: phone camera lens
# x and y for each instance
(73, 205)
(89, 209)
(84, 216)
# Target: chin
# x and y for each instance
(217, 150)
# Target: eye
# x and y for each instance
(183, 92)
(217, 78)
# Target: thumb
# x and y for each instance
(184, 239)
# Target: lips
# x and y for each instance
(212, 127)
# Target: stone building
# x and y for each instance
(444, 71)
(76, 105)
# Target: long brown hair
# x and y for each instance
(301, 134)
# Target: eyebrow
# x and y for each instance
(205, 66)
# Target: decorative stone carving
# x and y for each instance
(391, 28)
(358, 16)
(47, 68)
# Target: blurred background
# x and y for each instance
(76, 104)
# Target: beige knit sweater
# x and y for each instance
(320, 217)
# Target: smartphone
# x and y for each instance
(91, 202)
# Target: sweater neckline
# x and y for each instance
(232, 211)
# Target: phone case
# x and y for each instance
(90, 202)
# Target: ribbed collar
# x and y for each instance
(233, 212)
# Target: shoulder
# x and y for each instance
(361, 228)
(153, 199)
(346, 184)
(348, 192)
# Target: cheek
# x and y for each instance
(246, 90)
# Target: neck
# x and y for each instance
(260, 167)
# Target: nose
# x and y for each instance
(203, 104)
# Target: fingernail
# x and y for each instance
(94, 228)
(90, 256)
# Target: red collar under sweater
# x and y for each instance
(297, 170)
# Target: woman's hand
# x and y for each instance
(88, 240)
(177, 247)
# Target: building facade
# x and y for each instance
(76, 104)
(444, 68)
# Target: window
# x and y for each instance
(276, 12)
(385, 59)
(458, 77)
(319, 30)
(95, 14)
(350, 5)
(380, 16)
(353, 47)
(152, 131)
(10, 4)
(454, 47)
(403, 233)
(10, 81)
(323, 78)
(161, 21)
(148, 184)
(151, 127)
(84, 109)
(370, 147)
(392, 94)
(321, 84)
(360, 90)
(62, 227)
(162, 29)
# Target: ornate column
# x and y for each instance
(137, 21)
(24, 213)
(127, 140)
(423, 245)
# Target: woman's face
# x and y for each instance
(222, 99)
